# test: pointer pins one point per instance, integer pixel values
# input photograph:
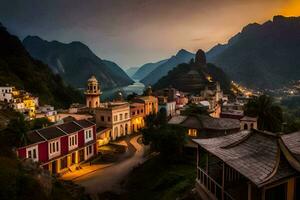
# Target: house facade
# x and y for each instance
(137, 113)
(59, 148)
(150, 103)
(115, 116)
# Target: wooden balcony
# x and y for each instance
(209, 188)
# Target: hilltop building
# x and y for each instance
(19, 100)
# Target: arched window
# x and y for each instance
(251, 125)
(245, 126)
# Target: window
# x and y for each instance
(73, 142)
(115, 118)
(32, 153)
(102, 118)
(54, 148)
(133, 113)
(142, 110)
(121, 116)
(126, 115)
(108, 119)
(88, 135)
(138, 111)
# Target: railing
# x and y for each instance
(212, 186)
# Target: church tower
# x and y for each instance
(92, 93)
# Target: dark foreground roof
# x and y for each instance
(56, 131)
(70, 127)
(51, 132)
(206, 122)
(261, 157)
(84, 123)
(34, 137)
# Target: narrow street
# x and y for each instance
(109, 178)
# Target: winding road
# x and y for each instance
(109, 179)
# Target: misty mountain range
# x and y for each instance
(260, 56)
(75, 62)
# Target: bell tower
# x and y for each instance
(92, 93)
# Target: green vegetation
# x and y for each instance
(270, 117)
(19, 69)
(291, 113)
(166, 139)
(158, 180)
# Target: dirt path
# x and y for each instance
(109, 178)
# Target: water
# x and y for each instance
(136, 87)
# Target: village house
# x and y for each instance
(202, 126)
(253, 165)
(137, 115)
(150, 102)
(48, 112)
(59, 148)
(167, 105)
(115, 116)
(6, 94)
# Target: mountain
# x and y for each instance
(19, 69)
(147, 68)
(192, 77)
(131, 71)
(182, 56)
(262, 55)
(75, 62)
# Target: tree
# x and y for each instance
(169, 140)
(40, 123)
(16, 131)
(269, 114)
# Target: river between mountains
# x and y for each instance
(136, 87)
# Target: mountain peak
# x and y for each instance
(33, 38)
(183, 52)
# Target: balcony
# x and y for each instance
(210, 188)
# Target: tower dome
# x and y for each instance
(92, 93)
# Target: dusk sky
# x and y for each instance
(133, 32)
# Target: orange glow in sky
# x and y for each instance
(292, 8)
